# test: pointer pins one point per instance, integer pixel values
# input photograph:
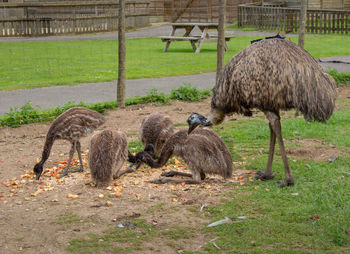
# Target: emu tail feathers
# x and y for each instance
(319, 102)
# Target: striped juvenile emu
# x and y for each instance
(107, 154)
(70, 125)
(155, 129)
(203, 151)
(271, 75)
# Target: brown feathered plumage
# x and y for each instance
(272, 75)
(107, 154)
(203, 151)
(155, 129)
(71, 125)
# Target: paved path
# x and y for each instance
(46, 97)
(99, 92)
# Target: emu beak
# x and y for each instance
(196, 119)
(37, 176)
(191, 127)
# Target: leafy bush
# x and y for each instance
(33, 114)
(189, 93)
(340, 78)
(152, 96)
(29, 114)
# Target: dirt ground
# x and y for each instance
(31, 210)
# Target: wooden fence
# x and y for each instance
(40, 19)
(287, 19)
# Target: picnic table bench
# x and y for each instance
(193, 39)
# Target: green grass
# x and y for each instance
(69, 219)
(40, 64)
(127, 240)
(310, 217)
(315, 221)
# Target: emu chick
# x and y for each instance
(202, 150)
(107, 154)
(71, 125)
(155, 129)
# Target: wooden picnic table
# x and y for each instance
(188, 36)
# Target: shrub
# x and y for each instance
(33, 114)
(188, 93)
(340, 78)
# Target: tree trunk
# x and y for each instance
(121, 55)
(303, 9)
(221, 39)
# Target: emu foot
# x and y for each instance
(263, 177)
(65, 173)
(138, 164)
(159, 181)
(287, 182)
(81, 169)
(169, 174)
(129, 170)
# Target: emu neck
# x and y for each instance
(50, 138)
(174, 145)
(216, 116)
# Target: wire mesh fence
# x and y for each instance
(57, 18)
(40, 61)
(84, 56)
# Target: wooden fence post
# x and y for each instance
(302, 18)
(121, 55)
(221, 40)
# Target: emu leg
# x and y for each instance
(71, 153)
(276, 127)
(196, 179)
(138, 164)
(175, 173)
(122, 172)
(267, 175)
(78, 148)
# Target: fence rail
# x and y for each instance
(42, 19)
(287, 19)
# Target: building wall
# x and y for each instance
(195, 10)
(336, 4)
(316, 4)
(347, 4)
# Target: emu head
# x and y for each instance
(149, 149)
(197, 119)
(143, 156)
(38, 169)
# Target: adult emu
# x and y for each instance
(71, 125)
(271, 75)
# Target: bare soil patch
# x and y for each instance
(42, 217)
(313, 149)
